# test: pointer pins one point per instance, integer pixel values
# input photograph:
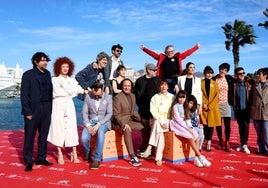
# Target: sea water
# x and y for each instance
(11, 118)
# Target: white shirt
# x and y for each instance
(115, 64)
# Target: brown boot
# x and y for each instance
(227, 146)
(208, 145)
(220, 144)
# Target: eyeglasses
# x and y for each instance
(240, 73)
(153, 70)
(171, 51)
(44, 59)
(119, 51)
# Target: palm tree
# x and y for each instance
(238, 35)
(265, 24)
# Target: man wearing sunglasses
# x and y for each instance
(113, 62)
(145, 88)
(242, 89)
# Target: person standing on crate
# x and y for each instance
(169, 63)
(97, 113)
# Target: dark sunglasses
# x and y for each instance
(240, 73)
(120, 51)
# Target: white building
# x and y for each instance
(10, 80)
(16, 73)
(130, 74)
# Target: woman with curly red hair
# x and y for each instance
(63, 129)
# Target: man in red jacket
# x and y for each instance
(169, 64)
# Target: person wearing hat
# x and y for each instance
(145, 88)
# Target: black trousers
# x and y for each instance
(243, 119)
(227, 129)
(145, 132)
(41, 123)
(208, 131)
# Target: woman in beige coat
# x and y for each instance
(210, 116)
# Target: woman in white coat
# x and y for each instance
(63, 128)
(192, 85)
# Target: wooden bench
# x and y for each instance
(114, 146)
(177, 149)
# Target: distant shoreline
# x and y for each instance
(12, 119)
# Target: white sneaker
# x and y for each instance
(204, 161)
(245, 149)
(197, 162)
(239, 148)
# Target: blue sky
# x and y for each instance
(80, 29)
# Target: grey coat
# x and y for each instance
(103, 114)
(259, 105)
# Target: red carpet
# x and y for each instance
(229, 169)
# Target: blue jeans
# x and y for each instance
(261, 128)
(86, 137)
(200, 132)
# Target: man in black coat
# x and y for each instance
(145, 88)
(36, 102)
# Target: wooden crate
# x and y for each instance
(114, 146)
(177, 149)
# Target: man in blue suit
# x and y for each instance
(36, 102)
(97, 112)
